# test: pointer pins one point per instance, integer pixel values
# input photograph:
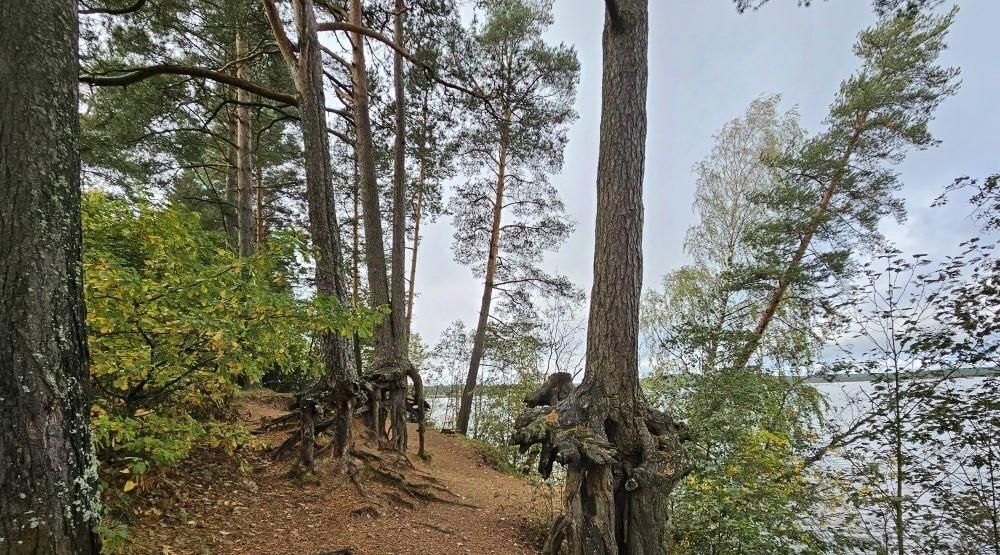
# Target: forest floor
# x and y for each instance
(210, 505)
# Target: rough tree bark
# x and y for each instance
(398, 253)
(479, 341)
(48, 473)
(390, 367)
(244, 172)
(371, 210)
(401, 336)
(340, 383)
(622, 457)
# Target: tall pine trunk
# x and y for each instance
(418, 211)
(398, 253)
(622, 457)
(400, 328)
(390, 367)
(777, 295)
(356, 256)
(340, 382)
(229, 207)
(378, 285)
(341, 376)
(479, 341)
(417, 217)
(244, 172)
(48, 473)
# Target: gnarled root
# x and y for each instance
(406, 479)
(620, 467)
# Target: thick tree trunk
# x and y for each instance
(246, 221)
(48, 473)
(341, 377)
(244, 172)
(479, 341)
(622, 457)
(398, 291)
(401, 335)
(372, 212)
(606, 518)
(390, 367)
(340, 382)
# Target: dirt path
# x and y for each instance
(211, 507)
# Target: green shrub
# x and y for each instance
(176, 320)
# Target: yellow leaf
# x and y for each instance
(129, 486)
(217, 340)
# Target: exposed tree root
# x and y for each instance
(441, 529)
(367, 510)
(610, 483)
(557, 535)
(286, 446)
(421, 486)
(400, 500)
(389, 459)
(287, 421)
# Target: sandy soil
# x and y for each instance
(209, 506)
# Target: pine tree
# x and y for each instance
(622, 457)
(841, 183)
(48, 473)
(508, 214)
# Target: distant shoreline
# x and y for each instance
(438, 391)
(917, 375)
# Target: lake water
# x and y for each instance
(846, 402)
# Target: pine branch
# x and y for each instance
(132, 76)
(134, 7)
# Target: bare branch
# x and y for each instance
(134, 7)
(281, 37)
(140, 74)
(371, 33)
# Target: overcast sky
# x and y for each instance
(706, 63)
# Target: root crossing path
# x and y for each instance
(209, 506)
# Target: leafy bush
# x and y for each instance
(176, 320)
(751, 490)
